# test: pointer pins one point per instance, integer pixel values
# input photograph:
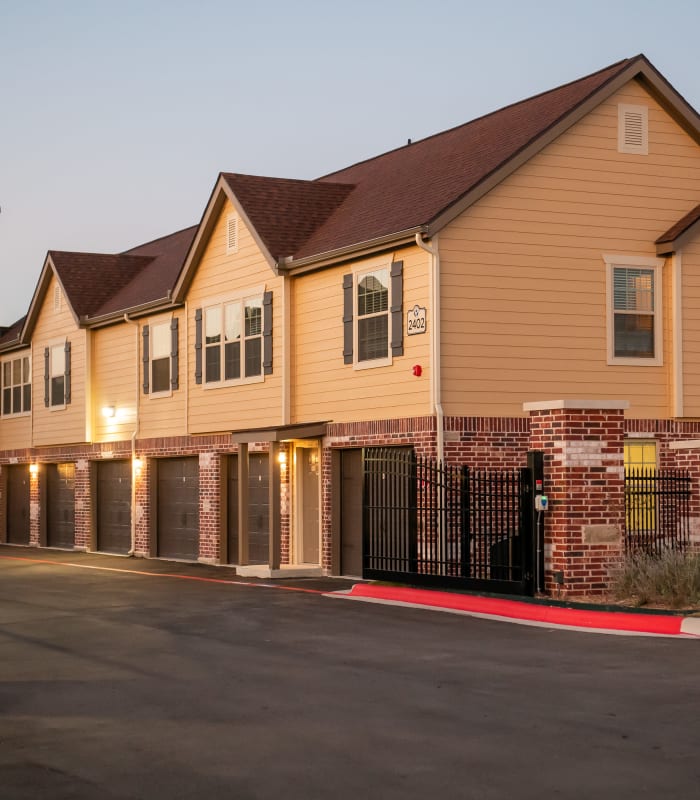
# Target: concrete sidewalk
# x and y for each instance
(542, 613)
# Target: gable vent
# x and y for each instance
(232, 233)
(57, 299)
(633, 129)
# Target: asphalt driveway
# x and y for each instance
(122, 685)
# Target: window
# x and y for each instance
(236, 337)
(373, 316)
(57, 383)
(640, 485)
(634, 310)
(16, 386)
(160, 357)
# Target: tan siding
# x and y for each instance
(691, 328)
(219, 276)
(117, 354)
(16, 432)
(327, 389)
(69, 424)
(523, 278)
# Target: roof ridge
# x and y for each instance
(625, 61)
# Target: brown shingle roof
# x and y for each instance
(11, 334)
(411, 186)
(162, 261)
(90, 279)
(97, 283)
(680, 227)
(286, 212)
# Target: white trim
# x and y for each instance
(579, 405)
(644, 262)
(626, 111)
(51, 344)
(9, 360)
(677, 333)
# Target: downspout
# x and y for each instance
(435, 372)
(133, 441)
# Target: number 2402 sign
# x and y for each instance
(415, 321)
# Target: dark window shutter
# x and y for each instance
(397, 308)
(46, 376)
(347, 318)
(198, 346)
(146, 354)
(174, 357)
(66, 395)
(267, 333)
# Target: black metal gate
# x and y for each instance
(657, 510)
(427, 523)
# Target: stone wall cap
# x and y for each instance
(685, 444)
(577, 405)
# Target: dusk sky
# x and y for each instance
(118, 117)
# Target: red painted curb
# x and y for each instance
(666, 625)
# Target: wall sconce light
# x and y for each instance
(33, 469)
(108, 411)
(137, 464)
(282, 458)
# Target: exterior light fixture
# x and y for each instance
(137, 464)
(108, 411)
(282, 458)
(33, 469)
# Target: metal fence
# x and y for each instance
(657, 510)
(436, 524)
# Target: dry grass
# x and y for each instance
(670, 579)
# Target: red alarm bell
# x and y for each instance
(417, 370)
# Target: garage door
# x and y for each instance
(178, 508)
(258, 509)
(113, 506)
(18, 504)
(351, 476)
(60, 505)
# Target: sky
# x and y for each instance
(116, 118)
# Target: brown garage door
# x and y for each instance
(258, 509)
(178, 508)
(60, 505)
(18, 504)
(113, 506)
(351, 475)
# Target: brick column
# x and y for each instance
(582, 442)
(35, 479)
(210, 507)
(141, 475)
(686, 455)
(83, 519)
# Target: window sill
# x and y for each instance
(17, 416)
(159, 395)
(635, 362)
(57, 408)
(373, 363)
(237, 382)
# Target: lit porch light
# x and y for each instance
(33, 469)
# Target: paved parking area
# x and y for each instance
(122, 685)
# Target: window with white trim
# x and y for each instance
(373, 316)
(160, 357)
(634, 310)
(233, 340)
(57, 375)
(16, 386)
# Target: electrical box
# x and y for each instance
(541, 502)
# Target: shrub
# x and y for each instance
(670, 578)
